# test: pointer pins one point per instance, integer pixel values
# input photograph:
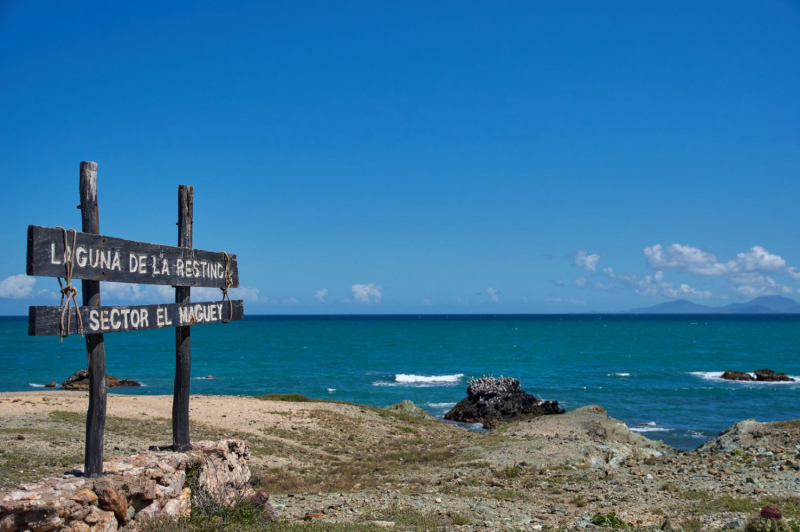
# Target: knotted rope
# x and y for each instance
(228, 284)
(68, 292)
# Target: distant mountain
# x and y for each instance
(770, 304)
(681, 306)
(760, 305)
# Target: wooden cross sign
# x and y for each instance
(91, 257)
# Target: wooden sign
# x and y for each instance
(104, 258)
(44, 321)
(93, 258)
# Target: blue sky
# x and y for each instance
(364, 157)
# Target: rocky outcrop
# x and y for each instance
(730, 375)
(143, 486)
(767, 375)
(80, 381)
(408, 408)
(492, 401)
(750, 434)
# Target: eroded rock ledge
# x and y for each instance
(142, 486)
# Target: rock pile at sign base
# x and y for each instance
(495, 400)
(149, 484)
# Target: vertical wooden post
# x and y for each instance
(95, 349)
(183, 349)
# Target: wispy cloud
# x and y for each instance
(366, 293)
(130, 292)
(655, 286)
(492, 295)
(695, 260)
(585, 260)
(565, 301)
(17, 286)
(320, 295)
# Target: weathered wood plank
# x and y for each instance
(95, 347)
(105, 258)
(181, 440)
(45, 321)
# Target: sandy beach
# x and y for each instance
(344, 463)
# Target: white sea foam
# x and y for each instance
(32, 385)
(648, 428)
(422, 381)
(433, 378)
(716, 376)
(619, 374)
(440, 405)
(331, 390)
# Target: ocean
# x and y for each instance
(658, 374)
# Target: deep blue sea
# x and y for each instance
(658, 374)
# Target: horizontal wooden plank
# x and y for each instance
(43, 321)
(105, 258)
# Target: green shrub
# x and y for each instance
(609, 520)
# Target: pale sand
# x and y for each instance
(357, 463)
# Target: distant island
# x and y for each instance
(759, 305)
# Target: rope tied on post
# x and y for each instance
(228, 284)
(68, 292)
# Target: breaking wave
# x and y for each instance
(716, 376)
(402, 379)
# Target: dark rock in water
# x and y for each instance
(767, 375)
(80, 381)
(492, 401)
(730, 375)
(209, 377)
(80, 375)
(51, 384)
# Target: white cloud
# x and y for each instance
(320, 295)
(794, 273)
(580, 281)
(680, 257)
(750, 285)
(582, 258)
(492, 295)
(17, 286)
(695, 260)
(558, 282)
(757, 259)
(654, 286)
(166, 294)
(427, 302)
(290, 301)
(366, 293)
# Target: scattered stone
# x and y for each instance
(671, 527)
(771, 512)
(139, 487)
(50, 384)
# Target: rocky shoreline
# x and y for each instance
(357, 465)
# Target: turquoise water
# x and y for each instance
(656, 373)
